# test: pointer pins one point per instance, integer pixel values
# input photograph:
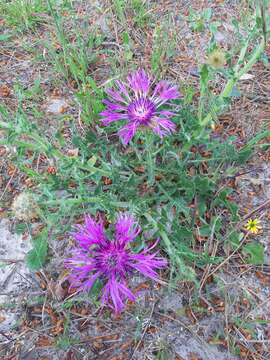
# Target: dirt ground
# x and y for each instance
(179, 322)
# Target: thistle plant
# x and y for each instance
(140, 105)
(111, 261)
(184, 197)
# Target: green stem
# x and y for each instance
(82, 200)
(72, 201)
(149, 157)
(256, 55)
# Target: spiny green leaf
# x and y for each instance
(5, 37)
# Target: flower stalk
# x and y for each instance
(149, 157)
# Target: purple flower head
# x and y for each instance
(111, 261)
(140, 105)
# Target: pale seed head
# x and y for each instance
(217, 59)
(24, 207)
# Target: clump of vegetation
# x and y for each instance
(170, 168)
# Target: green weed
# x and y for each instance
(72, 53)
(179, 205)
(23, 14)
(176, 187)
(142, 16)
(164, 43)
(199, 20)
(119, 10)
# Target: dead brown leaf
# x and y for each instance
(246, 333)
(140, 169)
(194, 356)
(97, 345)
(106, 180)
(179, 357)
(59, 328)
(3, 150)
(4, 91)
(127, 345)
(56, 290)
(44, 341)
(244, 352)
(141, 287)
(189, 313)
(263, 278)
(73, 152)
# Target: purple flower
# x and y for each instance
(111, 261)
(140, 105)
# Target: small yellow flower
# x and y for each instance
(253, 225)
(217, 59)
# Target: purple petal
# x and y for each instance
(139, 81)
(167, 114)
(146, 266)
(111, 292)
(79, 260)
(127, 292)
(146, 263)
(127, 132)
(110, 117)
(82, 267)
(116, 292)
(91, 233)
(122, 87)
(114, 106)
(162, 127)
(149, 248)
(146, 270)
(87, 285)
(114, 94)
(109, 113)
(127, 229)
(164, 92)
